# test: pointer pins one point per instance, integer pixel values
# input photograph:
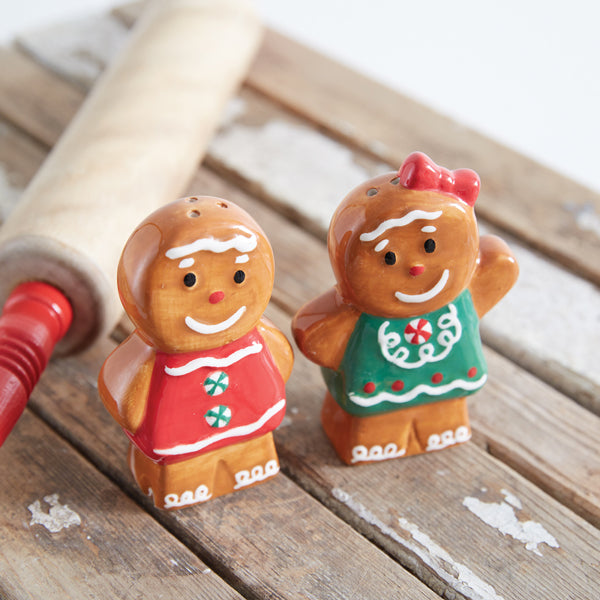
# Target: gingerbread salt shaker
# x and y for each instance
(398, 338)
(198, 387)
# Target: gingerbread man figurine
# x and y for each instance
(397, 338)
(198, 387)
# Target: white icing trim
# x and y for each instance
(437, 390)
(432, 293)
(186, 262)
(413, 215)
(382, 244)
(244, 258)
(240, 242)
(200, 495)
(448, 438)
(390, 344)
(211, 361)
(362, 453)
(207, 328)
(428, 229)
(223, 435)
(246, 478)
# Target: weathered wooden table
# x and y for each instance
(512, 514)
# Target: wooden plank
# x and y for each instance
(547, 210)
(392, 503)
(555, 442)
(66, 536)
(564, 469)
(270, 541)
(452, 514)
(27, 89)
(20, 158)
(304, 174)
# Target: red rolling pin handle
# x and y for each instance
(35, 317)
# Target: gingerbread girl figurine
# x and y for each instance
(198, 387)
(397, 338)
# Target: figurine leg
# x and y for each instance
(205, 476)
(399, 433)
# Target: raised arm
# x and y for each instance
(278, 345)
(124, 381)
(496, 272)
(323, 327)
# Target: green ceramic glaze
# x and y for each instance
(394, 363)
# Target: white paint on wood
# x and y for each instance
(293, 163)
(454, 573)
(511, 499)
(59, 516)
(551, 313)
(9, 194)
(78, 50)
(586, 217)
(501, 516)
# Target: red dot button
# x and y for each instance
(437, 377)
(472, 372)
(398, 386)
(369, 387)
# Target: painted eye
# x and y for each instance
(189, 279)
(239, 276)
(390, 258)
(429, 246)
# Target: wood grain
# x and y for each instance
(552, 442)
(427, 492)
(270, 541)
(132, 147)
(116, 550)
(536, 204)
(415, 509)
(303, 174)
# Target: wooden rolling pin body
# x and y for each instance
(132, 147)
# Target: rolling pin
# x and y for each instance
(132, 147)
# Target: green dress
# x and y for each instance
(390, 364)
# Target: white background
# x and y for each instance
(525, 72)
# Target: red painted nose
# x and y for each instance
(216, 297)
(416, 270)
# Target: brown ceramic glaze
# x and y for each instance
(200, 381)
(404, 248)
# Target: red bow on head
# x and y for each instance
(419, 172)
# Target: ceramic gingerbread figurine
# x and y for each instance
(198, 387)
(397, 338)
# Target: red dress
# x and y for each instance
(201, 401)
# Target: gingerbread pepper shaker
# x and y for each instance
(198, 387)
(397, 338)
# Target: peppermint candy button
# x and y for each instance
(218, 416)
(418, 331)
(216, 383)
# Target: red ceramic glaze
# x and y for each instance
(35, 317)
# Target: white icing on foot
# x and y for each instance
(448, 438)
(362, 453)
(245, 478)
(200, 495)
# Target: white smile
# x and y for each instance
(208, 328)
(432, 293)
